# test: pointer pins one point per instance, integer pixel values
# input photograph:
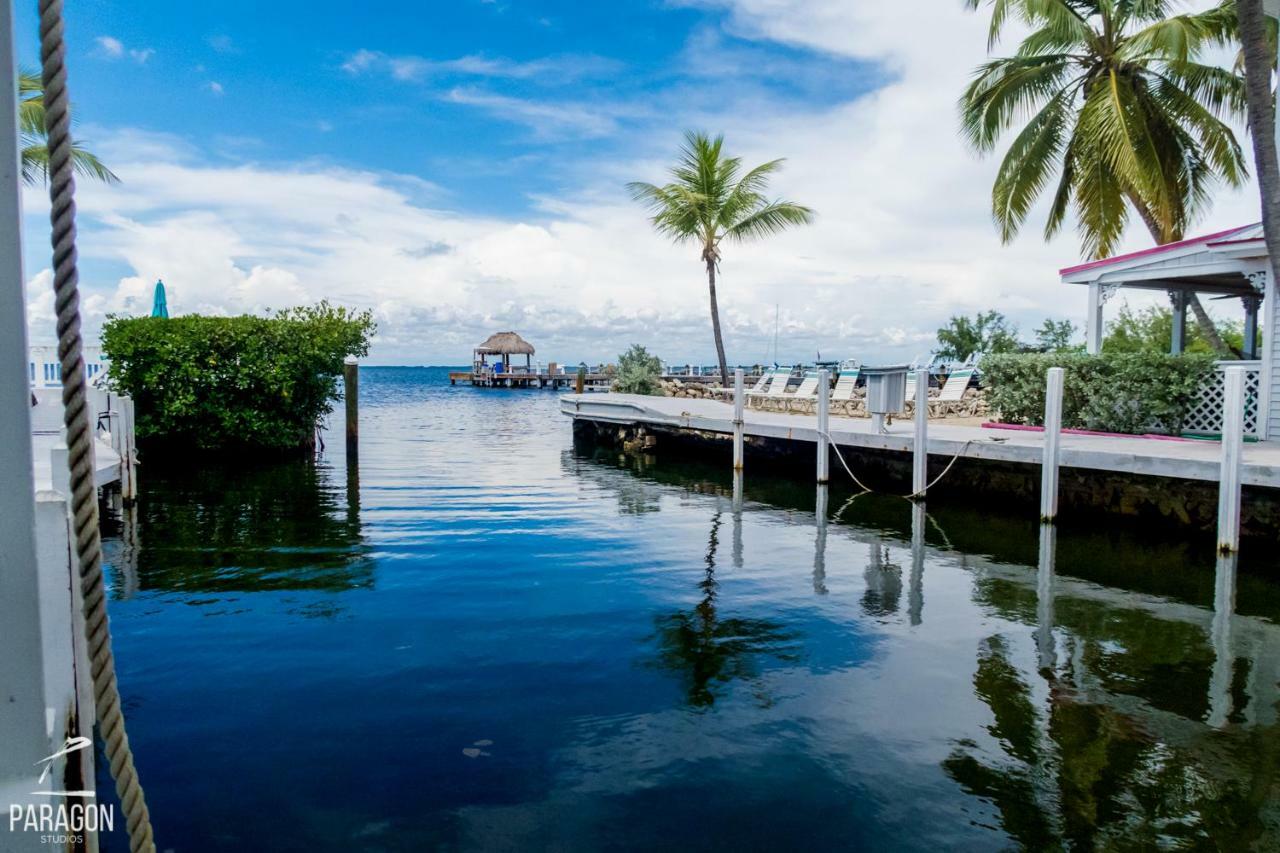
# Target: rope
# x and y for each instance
(84, 495)
(866, 488)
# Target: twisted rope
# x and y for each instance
(84, 496)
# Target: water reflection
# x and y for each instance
(1086, 767)
(225, 528)
(710, 651)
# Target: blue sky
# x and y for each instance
(458, 168)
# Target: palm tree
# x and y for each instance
(35, 153)
(1110, 98)
(708, 201)
(1258, 58)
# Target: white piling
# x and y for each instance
(1052, 440)
(1232, 448)
(739, 400)
(824, 410)
(920, 460)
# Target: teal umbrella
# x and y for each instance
(160, 307)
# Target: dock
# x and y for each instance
(1105, 467)
(528, 379)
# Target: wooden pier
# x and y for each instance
(528, 379)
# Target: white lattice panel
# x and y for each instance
(1206, 415)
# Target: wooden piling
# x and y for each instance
(824, 410)
(1052, 442)
(1232, 450)
(738, 425)
(351, 381)
(920, 449)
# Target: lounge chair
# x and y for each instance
(777, 384)
(845, 384)
(958, 381)
(808, 390)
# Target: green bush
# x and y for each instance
(638, 372)
(247, 382)
(1115, 392)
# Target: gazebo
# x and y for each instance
(1227, 265)
(504, 345)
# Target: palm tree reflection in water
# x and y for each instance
(709, 650)
(1082, 769)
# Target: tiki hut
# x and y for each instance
(503, 345)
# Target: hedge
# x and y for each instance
(1136, 393)
(258, 383)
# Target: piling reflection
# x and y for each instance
(710, 651)
(267, 527)
(1079, 758)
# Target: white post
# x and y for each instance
(824, 410)
(739, 400)
(1232, 447)
(129, 461)
(1093, 323)
(920, 460)
(26, 727)
(1052, 439)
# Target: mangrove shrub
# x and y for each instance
(247, 382)
(1136, 392)
(638, 372)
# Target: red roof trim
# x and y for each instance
(1155, 250)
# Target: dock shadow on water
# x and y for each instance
(525, 643)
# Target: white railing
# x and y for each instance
(1206, 415)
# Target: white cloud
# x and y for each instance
(109, 46)
(215, 87)
(560, 69)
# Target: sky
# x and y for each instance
(459, 168)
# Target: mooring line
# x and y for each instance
(865, 488)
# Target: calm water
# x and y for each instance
(488, 639)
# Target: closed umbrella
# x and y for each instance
(160, 307)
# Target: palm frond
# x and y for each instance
(772, 218)
(1004, 89)
(1028, 166)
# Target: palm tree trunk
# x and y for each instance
(1207, 327)
(715, 323)
(1262, 122)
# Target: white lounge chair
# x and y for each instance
(958, 381)
(777, 384)
(845, 384)
(807, 391)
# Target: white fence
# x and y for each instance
(1206, 415)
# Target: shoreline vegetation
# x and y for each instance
(252, 384)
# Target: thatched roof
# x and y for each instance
(506, 343)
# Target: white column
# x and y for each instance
(824, 408)
(1093, 323)
(920, 448)
(1232, 449)
(739, 400)
(1052, 439)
